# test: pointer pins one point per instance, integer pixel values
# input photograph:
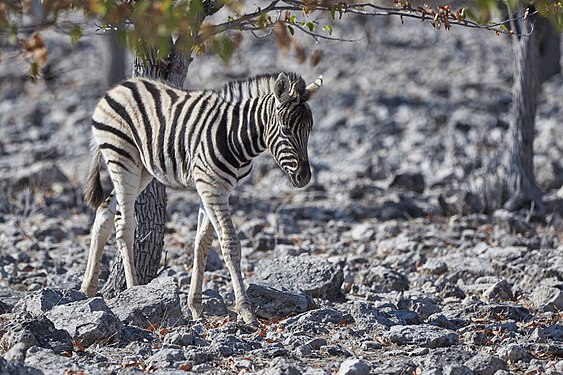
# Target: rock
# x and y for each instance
(404, 208)
(167, 357)
(213, 303)
(422, 335)
(282, 224)
(311, 275)
(38, 303)
(500, 291)
(353, 367)
(12, 368)
(314, 321)
(513, 222)
(369, 318)
(547, 296)
(36, 332)
(513, 353)
(434, 267)
(271, 303)
(181, 336)
(408, 181)
(156, 303)
(88, 321)
(485, 364)
(228, 345)
(382, 279)
(363, 232)
(424, 305)
(43, 175)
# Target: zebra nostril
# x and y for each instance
(303, 176)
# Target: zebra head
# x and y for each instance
(293, 122)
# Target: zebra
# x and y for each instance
(145, 129)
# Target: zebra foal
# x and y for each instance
(145, 129)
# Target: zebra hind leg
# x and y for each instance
(203, 241)
(127, 186)
(102, 228)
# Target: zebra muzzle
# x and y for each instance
(302, 176)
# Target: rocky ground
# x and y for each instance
(394, 260)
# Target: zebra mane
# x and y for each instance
(259, 85)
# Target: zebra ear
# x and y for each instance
(313, 88)
(281, 88)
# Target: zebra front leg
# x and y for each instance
(203, 240)
(102, 228)
(219, 214)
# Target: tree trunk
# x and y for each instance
(150, 206)
(528, 77)
(114, 59)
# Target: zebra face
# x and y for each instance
(293, 125)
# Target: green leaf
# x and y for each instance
(75, 34)
(224, 47)
(328, 29)
(291, 31)
(311, 26)
(292, 19)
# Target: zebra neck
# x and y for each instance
(257, 114)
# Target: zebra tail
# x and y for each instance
(93, 191)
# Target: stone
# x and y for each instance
(88, 322)
(513, 353)
(547, 296)
(305, 274)
(370, 318)
(37, 332)
(353, 367)
(314, 321)
(485, 364)
(213, 303)
(157, 303)
(499, 291)
(422, 335)
(382, 279)
(270, 303)
(167, 357)
(408, 181)
(38, 303)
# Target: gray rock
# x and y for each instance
(499, 291)
(382, 279)
(88, 321)
(485, 364)
(434, 267)
(424, 305)
(311, 275)
(408, 181)
(513, 353)
(314, 321)
(213, 303)
(156, 303)
(353, 367)
(422, 335)
(37, 332)
(181, 336)
(547, 296)
(363, 232)
(369, 318)
(167, 357)
(282, 224)
(37, 303)
(40, 174)
(270, 303)
(12, 368)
